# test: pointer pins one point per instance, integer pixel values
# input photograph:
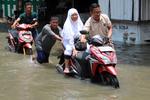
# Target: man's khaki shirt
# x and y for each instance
(98, 27)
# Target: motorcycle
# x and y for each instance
(98, 63)
(102, 59)
(12, 36)
(75, 66)
(20, 39)
(75, 70)
(25, 39)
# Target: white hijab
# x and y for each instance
(71, 29)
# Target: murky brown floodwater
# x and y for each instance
(20, 79)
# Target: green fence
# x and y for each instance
(7, 7)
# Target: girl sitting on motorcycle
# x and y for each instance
(71, 30)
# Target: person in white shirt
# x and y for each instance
(71, 30)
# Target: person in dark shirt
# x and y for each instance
(46, 39)
(28, 17)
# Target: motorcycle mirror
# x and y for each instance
(9, 18)
(34, 20)
(84, 32)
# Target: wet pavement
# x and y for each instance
(21, 79)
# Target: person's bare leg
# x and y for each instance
(66, 70)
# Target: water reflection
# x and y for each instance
(22, 80)
(133, 54)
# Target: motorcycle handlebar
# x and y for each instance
(99, 40)
(23, 26)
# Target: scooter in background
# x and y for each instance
(19, 39)
(12, 37)
(25, 39)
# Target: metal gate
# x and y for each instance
(7, 7)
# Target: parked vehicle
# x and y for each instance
(99, 64)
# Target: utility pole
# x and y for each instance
(73, 3)
(19, 5)
(1, 10)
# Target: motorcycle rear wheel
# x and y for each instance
(76, 66)
(11, 45)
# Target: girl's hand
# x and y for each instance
(74, 52)
(83, 38)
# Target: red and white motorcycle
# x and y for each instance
(25, 39)
(103, 60)
(99, 64)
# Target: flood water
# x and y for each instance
(20, 79)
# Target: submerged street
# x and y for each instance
(21, 79)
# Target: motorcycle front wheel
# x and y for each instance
(112, 80)
(28, 51)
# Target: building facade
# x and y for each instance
(130, 18)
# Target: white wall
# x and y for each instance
(126, 9)
(130, 31)
(145, 32)
(136, 10)
(145, 10)
(121, 9)
(104, 4)
(139, 32)
(134, 32)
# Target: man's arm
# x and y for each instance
(48, 30)
(34, 25)
(109, 25)
(109, 28)
(15, 23)
(86, 26)
(110, 31)
(57, 37)
(35, 20)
